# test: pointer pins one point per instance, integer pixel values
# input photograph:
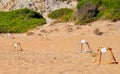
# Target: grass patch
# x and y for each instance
(20, 21)
(63, 14)
(81, 3)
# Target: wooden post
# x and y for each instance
(97, 55)
(81, 46)
(110, 49)
(88, 46)
(100, 57)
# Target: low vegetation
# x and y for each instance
(20, 21)
(88, 11)
(106, 9)
(63, 14)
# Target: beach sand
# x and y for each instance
(55, 49)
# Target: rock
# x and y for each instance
(87, 11)
(41, 6)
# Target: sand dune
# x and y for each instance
(60, 52)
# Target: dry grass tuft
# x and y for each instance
(56, 29)
(78, 28)
(54, 22)
(70, 29)
(40, 34)
(97, 32)
(29, 33)
(44, 31)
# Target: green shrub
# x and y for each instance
(81, 3)
(19, 21)
(84, 21)
(111, 9)
(108, 9)
(64, 14)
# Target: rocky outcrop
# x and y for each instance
(41, 6)
(87, 11)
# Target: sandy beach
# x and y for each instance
(55, 49)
